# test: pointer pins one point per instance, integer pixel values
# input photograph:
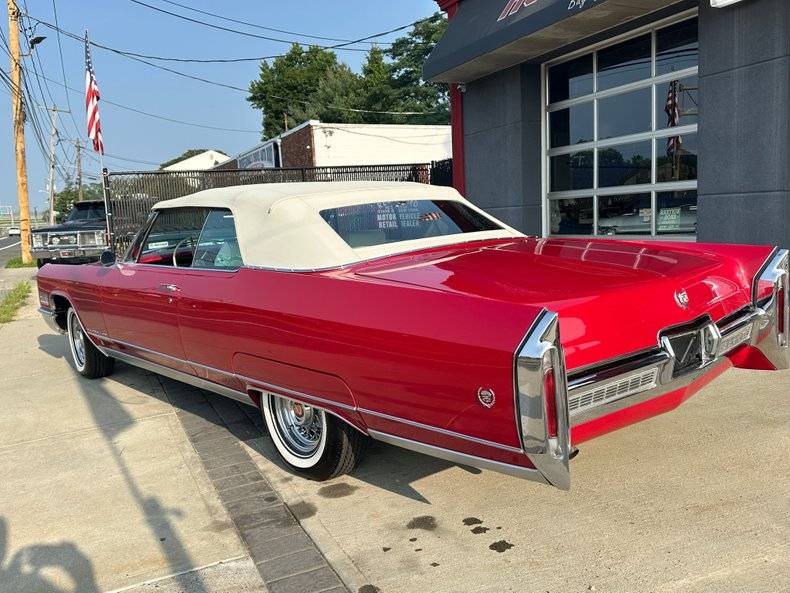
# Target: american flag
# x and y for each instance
(672, 109)
(92, 101)
(429, 217)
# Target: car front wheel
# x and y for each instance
(310, 441)
(87, 359)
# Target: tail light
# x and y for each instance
(550, 394)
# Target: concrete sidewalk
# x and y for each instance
(100, 489)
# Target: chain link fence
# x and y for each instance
(133, 193)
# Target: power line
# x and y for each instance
(63, 69)
(225, 85)
(236, 31)
(156, 116)
(257, 26)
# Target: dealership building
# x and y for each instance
(630, 118)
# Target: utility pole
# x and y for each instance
(77, 148)
(53, 142)
(19, 131)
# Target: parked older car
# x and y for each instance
(80, 239)
(403, 313)
(14, 231)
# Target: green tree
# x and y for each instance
(377, 89)
(65, 199)
(187, 154)
(408, 54)
(291, 83)
(334, 99)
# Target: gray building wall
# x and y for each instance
(502, 146)
(744, 123)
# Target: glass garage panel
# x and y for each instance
(630, 141)
(572, 171)
(625, 164)
(571, 79)
(625, 62)
(573, 216)
(571, 126)
(677, 103)
(625, 114)
(677, 47)
(676, 158)
(677, 213)
(629, 214)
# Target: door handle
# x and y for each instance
(169, 287)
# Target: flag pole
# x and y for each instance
(104, 172)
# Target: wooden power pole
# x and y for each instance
(19, 130)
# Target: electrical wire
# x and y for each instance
(157, 116)
(344, 45)
(225, 85)
(257, 26)
(63, 70)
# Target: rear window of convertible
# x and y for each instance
(379, 223)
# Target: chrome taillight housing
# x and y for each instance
(776, 346)
(542, 400)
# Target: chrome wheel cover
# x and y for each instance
(77, 337)
(299, 426)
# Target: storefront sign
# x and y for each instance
(513, 6)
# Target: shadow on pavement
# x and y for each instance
(34, 568)
(387, 467)
(157, 516)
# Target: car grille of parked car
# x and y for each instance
(63, 240)
(616, 389)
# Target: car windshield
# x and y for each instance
(378, 223)
(87, 212)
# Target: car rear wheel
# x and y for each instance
(87, 359)
(310, 441)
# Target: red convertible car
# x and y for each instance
(401, 312)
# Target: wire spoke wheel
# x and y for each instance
(77, 338)
(299, 426)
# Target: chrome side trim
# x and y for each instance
(178, 375)
(258, 384)
(442, 431)
(540, 352)
(460, 458)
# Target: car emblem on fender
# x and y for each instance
(682, 299)
(486, 397)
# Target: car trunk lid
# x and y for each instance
(613, 297)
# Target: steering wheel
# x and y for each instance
(190, 240)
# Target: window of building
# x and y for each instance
(622, 136)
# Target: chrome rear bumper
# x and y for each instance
(629, 381)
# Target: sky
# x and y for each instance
(131, 27)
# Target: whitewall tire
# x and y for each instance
(309, 440)
(87, 359)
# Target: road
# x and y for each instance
(9, 249)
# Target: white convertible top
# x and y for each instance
(279, 224)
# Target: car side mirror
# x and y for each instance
(107, 258)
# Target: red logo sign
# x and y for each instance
(513, 6)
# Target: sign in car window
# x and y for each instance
(377, 223)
